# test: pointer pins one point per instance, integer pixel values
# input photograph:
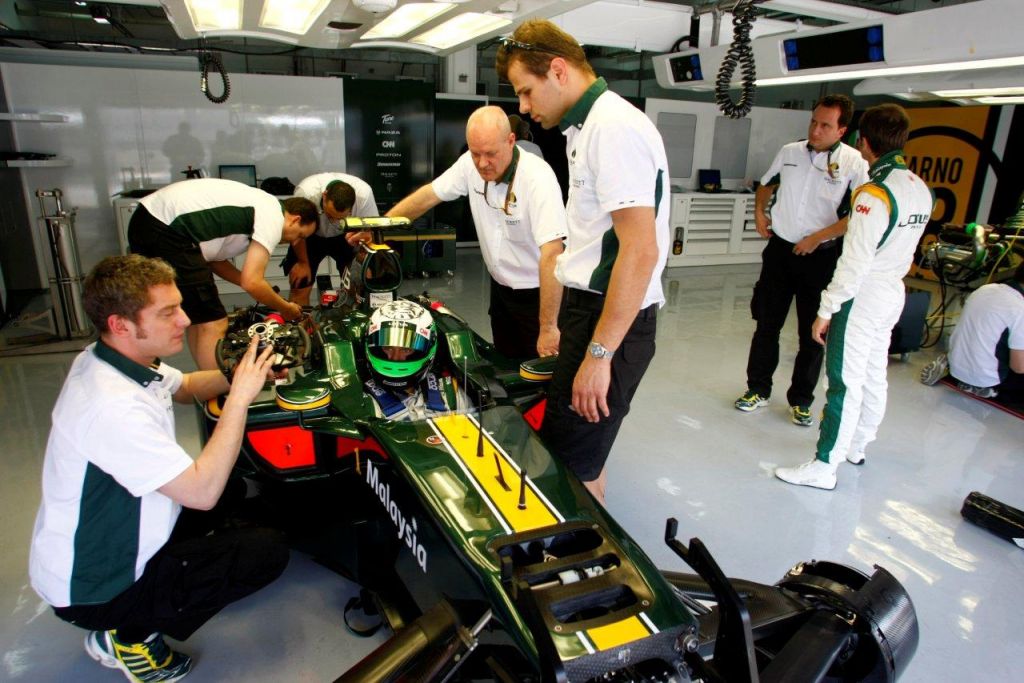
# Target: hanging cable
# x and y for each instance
(740, 54)
(207, 59)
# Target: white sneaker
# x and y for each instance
(816, 473)
(855, 458)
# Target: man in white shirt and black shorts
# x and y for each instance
(617, 246)
(113, 551)
(520, 222)
(338, 195)
(197, 226)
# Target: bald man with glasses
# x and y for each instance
(520, 222)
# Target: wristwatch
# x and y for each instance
(598, 351)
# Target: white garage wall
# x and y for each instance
(130, 128)
(770, 129)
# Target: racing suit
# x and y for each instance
(435, 395)
(864, 300)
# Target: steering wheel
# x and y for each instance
(290, 341)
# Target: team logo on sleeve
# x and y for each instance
(861, 208)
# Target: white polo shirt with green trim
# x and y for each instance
(111, 446)
(221, 216)
(814, 188)
(509, 242)
(616, 160)
(313, 187)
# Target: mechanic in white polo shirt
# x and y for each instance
(617, 245)
(802, 207)
(197, 226)
(339, 195)
(520, 222)
(112, 550)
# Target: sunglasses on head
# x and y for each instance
(511, 44)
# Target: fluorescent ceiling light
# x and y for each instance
(823, 10)
(979, 92)
(406, 18)
(460, 29)
(894, 71)
(293, 16)
(215, 15)
(1000, 100)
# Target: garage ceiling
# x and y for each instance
(145, 25)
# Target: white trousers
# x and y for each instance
(856, 358)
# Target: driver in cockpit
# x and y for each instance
(401, 343)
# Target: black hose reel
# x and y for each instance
(740, 54)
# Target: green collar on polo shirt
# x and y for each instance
(510, 172)
(126, 366)
(577, 114)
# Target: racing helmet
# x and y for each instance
(400, 344)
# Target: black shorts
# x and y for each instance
(192, 577)
(317, 248)
(150, 237)
(584, 446)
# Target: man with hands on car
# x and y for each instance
(112, 550)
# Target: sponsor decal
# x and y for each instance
(914, 220)
(407, 526)
(863, 209)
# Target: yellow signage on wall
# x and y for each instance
(946, 150)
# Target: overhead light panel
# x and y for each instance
(215, 15)
(291, 16)
(406, 18)
(979, 92)
(894, 71)
(460, 29)
(1000, 100)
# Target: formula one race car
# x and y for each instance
(403, 452)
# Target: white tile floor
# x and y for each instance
(684, 452)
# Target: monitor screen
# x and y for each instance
(840, 48)
(243, 173)
(709, 180)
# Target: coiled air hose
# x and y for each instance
(206, 59)
(740, 54)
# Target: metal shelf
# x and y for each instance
(40, 118)
(34, 163)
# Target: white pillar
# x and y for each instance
(460, 72)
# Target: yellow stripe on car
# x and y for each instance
(619, 633)
(462, 434)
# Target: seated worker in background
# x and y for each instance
(112, 550)
(339, 196)
(524, 138)
(520, 221)
(196, 226)
(865, 297)
(986, 349)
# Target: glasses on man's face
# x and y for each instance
(510, 44)
(508, 194)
